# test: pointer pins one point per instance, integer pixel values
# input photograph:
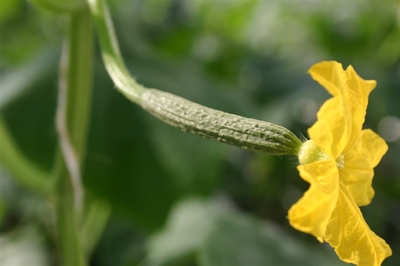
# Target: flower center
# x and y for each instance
(340, 161)
(310, 152)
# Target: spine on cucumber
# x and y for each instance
(247, 133)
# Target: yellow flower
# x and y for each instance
(338, 162)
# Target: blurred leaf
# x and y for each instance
(60, 6)
(121, 165)
(239, 240)
(9, 9)
(227, 18)
(15, 82)
(95, 221)
(27, 33)
(217, 235)
(23, 170)
(194, 163)
(3, 209)
(121, 244)
(30, 100)
(188, 226)
(23, 247)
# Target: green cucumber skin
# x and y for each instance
(247, 133)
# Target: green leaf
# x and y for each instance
(210, 232)
(60, 6)
(23, 246)
(28, 107)
(188, 226)
(19, 81)
(121, 164)
(9, 9)
(23, 170)
(240, 240)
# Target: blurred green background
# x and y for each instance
(178, 199)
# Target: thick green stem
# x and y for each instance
(24, 171)
(111, 54)
(95, 221)
(190, 117)
(73, 112)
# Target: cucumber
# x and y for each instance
(246, 133)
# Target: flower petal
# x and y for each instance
(350, 236)
(312, 212)
(330, 75)
(359, 184)
(373, 147)
(353, 93)
(359, 163)
(332, 130)
(356, 95)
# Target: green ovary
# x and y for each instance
(310, 152)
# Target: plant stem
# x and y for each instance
(95, 221)
(110, 52)
(24, 171)
(73, 112)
